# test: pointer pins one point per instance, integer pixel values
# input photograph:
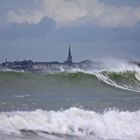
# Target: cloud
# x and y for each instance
(75, 12)
(21, 16)
(69, 12)
(120, 17)
(25, 30)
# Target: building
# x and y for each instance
(40, 66)
(29, 65)
(19, 65)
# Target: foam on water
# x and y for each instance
(112, 82)
(112, 124)
(137, 75)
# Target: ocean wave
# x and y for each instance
(126, 80)
(112, 124)
(119, 74)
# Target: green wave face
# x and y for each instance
(77, 79)
(121, 75)
(48, 81)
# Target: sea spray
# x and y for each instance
(112, 124)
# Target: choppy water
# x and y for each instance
(79, 104)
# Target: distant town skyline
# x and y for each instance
(41, 30)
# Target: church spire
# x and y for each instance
(69, 59)
(69, 54)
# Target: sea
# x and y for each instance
(102, 103)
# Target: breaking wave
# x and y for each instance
(125, 80)
(112, 124)
(121, 75)
(129, 80)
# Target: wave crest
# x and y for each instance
(124, 80)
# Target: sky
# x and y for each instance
(41, 30)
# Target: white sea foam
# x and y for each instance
(109, 125)
(109, 81)
(137, 75)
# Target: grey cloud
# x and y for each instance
(70, 12)
(24, 30)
